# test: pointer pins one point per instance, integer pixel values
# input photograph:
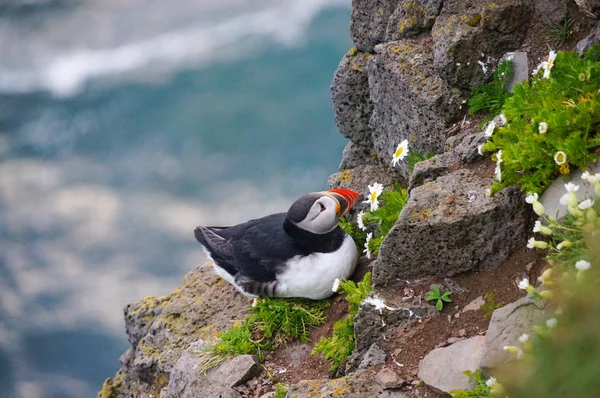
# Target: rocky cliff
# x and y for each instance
(408, 77)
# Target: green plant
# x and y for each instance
(272, 322)
(415, 157)
(280, 391)
(560, 32)
(481, 390)
(490, 97)
(490, 305)
(341, 344)
(358, 235)
(281, 319)
(439, 297)
(552, 124)
(385, 217)
(562, 357)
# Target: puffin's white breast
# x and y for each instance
(312, 276)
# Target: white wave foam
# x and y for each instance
(65, 75)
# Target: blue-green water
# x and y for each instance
(105, 172)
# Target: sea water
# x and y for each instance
(123, 125)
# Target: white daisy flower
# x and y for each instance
(255, 302)
(570, 198)
(401, 152)
(498, 172)
(336, 285)
(586, 204)
(531, 243)
(502, 119)
(549, 64)
(489, 130)
(480, 149)
(583, 265)
(524, 284)
(359, 220)
(367, 251)
(551, 323)
(491, 381)
(532, 197)
(585, 176)
(543, 127)
(538, 208)
(538, 227)
(524, 338)
(560, 158)
(374, 192)
(570, 187)
(564, 199)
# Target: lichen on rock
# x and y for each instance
(410, 100)
(160, 329)
(470, 37)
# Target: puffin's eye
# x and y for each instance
(322, 206)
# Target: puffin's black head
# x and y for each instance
(318, 212)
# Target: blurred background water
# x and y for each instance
(123, 125)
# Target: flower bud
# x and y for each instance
(538, 208)
(565, 244)
(546, 294)
(540, 244)
(572, 201)
(545, 230)
(591, 215)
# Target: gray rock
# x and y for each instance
(520, 69)
(162, 328)
(506, 325)
(411, 18)
(376, 317)
(442, 369)
(594, 37)
(352, 106)
(188, 382)
(470, 37)
(432, 168)
(387, 378)
(373, 357)
(368, 22)
(296, 352)
(139, 316)
(450, 226)
(360, 384)
(355, 155)
(467, 149)
(551, 196)
(410, 101)
(591, 7)
(548, 9)
(474, 305)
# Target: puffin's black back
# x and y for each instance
(260, 248)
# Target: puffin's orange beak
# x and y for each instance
(348, 198)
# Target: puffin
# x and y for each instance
(295, 254)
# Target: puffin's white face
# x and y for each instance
(318, 212)
(322, 216)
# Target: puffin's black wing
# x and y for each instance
(219, 248)
(256, 249)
